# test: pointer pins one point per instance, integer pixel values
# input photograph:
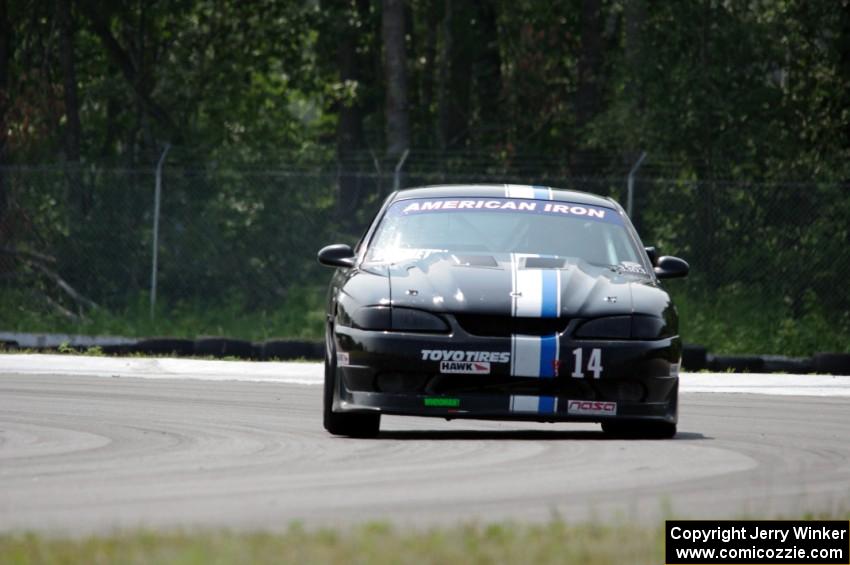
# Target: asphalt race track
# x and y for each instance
(80, 454)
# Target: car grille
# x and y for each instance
(487, 325)
(623, 390)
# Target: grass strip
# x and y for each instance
(554, 542)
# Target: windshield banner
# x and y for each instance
(511, 205)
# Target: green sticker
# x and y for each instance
(442, 402)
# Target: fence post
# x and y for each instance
(630, 183)
(398, 167)
(156, 197)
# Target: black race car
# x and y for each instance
(506, 302)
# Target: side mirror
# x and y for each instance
(652, 253)
(671, 268)
(338, 255)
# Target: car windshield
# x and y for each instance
(504, 225)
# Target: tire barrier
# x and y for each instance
(124, 349)
(290, 349)
(163, 346)
(694, 357)
(833, 363)
(782, 364)
(735, 363)
(224, 347)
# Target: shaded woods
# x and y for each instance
(288, 118)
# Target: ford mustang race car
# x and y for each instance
(506, 302)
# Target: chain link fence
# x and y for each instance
(237, 248)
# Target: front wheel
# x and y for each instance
(353, 425)
(639, 430)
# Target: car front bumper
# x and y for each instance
(410, 374)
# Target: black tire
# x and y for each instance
(288, 349)
(783, 364)
(353, 425)
(640, 430)
(164, 346)
(738, 363)
(832, 363)
(223, 347)
(694, 357)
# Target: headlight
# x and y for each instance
(649, 327)
(384, 318)
(613, 327)
(624, 327)
(410, 320)
(371, 318)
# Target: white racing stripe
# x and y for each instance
(528, 293)
(534, 356)
(534, 404)
(536, 293)
(528, 192)
(519, 191)
(525, 356)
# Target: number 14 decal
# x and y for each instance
(594, 363)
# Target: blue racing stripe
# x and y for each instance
(548, 350)
(549, 298)
(541, 192)
(546, 405)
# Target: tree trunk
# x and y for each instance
(708, 188)
(349, 131)
(69, 81)
(843, 44)
(110, 130)
(634, 16)
(589, 62)
(429, 71)
(488, 73)
(395, 73)
(443, 76)
(455, 72)
(5, 57)
(589, 71)
(72, 133)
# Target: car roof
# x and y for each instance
(499, 191)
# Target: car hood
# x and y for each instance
(520, 285)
